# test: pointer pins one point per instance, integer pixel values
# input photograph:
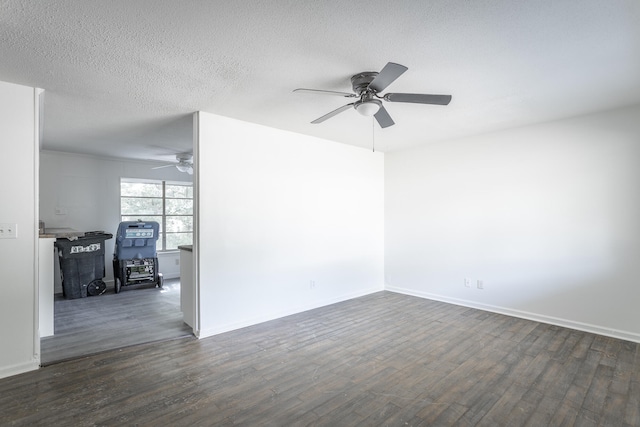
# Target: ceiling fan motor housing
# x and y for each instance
(360, 82)
(184, 158)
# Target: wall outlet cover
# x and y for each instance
(8, 230)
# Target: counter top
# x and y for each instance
(61, 233)
(186, 248)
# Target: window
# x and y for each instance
(168, 203)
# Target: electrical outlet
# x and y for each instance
(177, 261)
(467, 282)
(8, 231)
(480, 284)
(312, 284)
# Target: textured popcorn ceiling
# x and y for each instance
(122, 77)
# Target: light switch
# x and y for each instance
(8, 231)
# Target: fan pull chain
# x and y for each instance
(373, 135)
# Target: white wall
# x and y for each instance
(18, 139)
(548, 216)
(86, 190)
(278, 211)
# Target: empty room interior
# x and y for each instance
(368, 213)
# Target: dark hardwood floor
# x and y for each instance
(383, 359)
(136, 315)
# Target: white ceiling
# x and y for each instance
(122, 77)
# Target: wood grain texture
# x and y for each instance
(136, 315)
(384, 359)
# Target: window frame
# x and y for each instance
(161, 247)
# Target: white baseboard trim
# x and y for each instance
(20, 368)
(566, 323)
(277, 315)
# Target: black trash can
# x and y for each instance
(82, 264)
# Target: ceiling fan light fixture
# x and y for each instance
(182, 167)
(368, 108)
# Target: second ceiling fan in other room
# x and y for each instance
(367, 86)
(185, 163)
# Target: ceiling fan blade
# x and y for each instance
(383, 118)
(326, 92)
(333, 113)
(165, 166)
(417, 98)
(387, 75)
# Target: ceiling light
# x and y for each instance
(183, 167)
(368, 108)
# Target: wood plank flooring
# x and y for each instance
(90, 325)
(384, 359)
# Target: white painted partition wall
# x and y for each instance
(19, 343)
(286, 223)
(547, 216)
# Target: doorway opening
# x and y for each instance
(88, 198)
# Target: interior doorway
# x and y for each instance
(80, 188)
(82, 193)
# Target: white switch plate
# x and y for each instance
(480, 284)
(8, 231)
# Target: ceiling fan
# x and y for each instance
(367, 86)
(185, 163)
